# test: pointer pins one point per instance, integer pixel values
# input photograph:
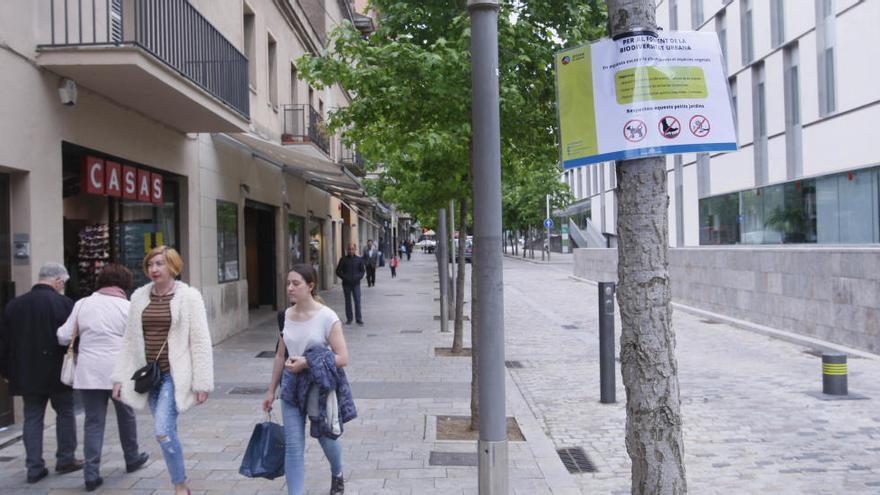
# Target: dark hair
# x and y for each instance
(114, 275)
(310, 276)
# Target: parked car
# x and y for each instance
(468, 250)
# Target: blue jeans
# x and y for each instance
(164, 409)
(295, 445)
(352, 292)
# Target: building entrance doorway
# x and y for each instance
(259, 246)
(7, 288)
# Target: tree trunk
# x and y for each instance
(458, 329)
(647, 345)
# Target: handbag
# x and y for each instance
(264, 457)
(68, 366)
(149, 376)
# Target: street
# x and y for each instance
(749, 424)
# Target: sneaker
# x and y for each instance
(360, 322)
(142, 459)
(37, 477)
(337, 485)
(94, 484)
(70, 467)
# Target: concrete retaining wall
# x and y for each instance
(829, 293)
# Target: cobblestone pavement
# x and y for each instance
(749, 424)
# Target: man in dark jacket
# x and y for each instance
(30, 360)
(371, 261)
(351, 270)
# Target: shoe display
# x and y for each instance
(142, 459)
(337, 485)
(70, 467)
(94, 484)
(37, 477)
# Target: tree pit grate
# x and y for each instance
(576, 460)
(411, 331)
(452, 458)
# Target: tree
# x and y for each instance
(647, 346)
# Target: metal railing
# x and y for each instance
(173, 31)
(352, 161)
(303, 124)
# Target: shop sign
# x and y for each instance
(109, 178)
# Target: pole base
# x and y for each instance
(493, 467)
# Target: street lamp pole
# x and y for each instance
(489, 303)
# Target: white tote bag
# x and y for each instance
(68, 367)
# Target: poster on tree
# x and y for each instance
(643, 95)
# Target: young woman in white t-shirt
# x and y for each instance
(307, 324)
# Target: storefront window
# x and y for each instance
(316, 244)
(846, 207)
(718, 220)
(297, 241)
(137, 227)
(227, 241)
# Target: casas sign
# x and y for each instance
(109, 178)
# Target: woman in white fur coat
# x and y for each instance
(167, 323)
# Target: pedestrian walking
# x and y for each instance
(371, 261)
(99, 322)
(401, 250)
(409, 248)
(30, 360)
(310, 377)
(167, 324)
(351, 270)
(393, 265)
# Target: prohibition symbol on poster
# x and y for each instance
(669, 127)
(699, 126)
(634, 130)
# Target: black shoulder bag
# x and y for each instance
(148, 377)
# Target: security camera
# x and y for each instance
(67, 92)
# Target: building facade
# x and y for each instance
(129, 124)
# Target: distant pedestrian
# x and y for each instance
(167, 323)
(30, 359)
(401, 250)
(311, 335)
(99, 321)
(393, 265)
(409, 249)
(351, 270)
(371, 261)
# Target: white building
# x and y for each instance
(807, 108)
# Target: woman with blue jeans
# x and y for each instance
(167, 324)
(307, 324)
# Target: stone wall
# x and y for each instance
(830, 293)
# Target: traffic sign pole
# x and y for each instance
(548, 225)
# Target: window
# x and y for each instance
(297, 242)
(846, 207)
(273, 72)
(580, 182)
(718, 220)
(250, 47)
(825, 35)
(759, 112)
(673, 15)
(227, 241)
(721, 29)
(777, 22)
(731, 83)
(791, 83)
(294, 82)
(696, 14)
(746, 31)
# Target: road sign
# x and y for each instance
(548, 223)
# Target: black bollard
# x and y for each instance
(834, 379)
(606, 342)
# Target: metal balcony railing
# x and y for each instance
(352, 161)
(303, 124)
(173, 31)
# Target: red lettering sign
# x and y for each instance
(93, 175)
(112, 179)
(143, 192)
(156, 191)
(129, 182)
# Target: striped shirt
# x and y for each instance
(156, 322)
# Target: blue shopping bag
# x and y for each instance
(264, 457)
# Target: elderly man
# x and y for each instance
(351, 270)
(371, 261)
(30, 360)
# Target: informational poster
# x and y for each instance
(643, 95)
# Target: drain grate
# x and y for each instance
(452, 458)
(393, 295)
(372, 335)
(576, 460)
(411, 331)
(247, 391)
(514, 364)
(266, 354)
(570, 327)
(711, 322)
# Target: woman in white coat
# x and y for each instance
(167, 323)
(99, 321)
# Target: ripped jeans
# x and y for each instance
(164, 409)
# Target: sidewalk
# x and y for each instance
(399, 387)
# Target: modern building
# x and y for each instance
(129, 124)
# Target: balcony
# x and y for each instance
(353, 161)
(160, 58)
(304, 125)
